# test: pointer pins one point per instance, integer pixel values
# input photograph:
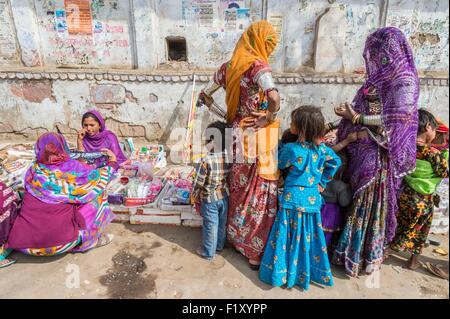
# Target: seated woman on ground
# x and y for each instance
(94, 136)
(65, 206)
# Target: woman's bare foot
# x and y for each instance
(386, 254)
(104, 240)
(413, 262)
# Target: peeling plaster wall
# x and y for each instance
(8, 44)
(147, 110)
(426, 24)
(122, 67)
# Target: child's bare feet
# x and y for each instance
(413, 262)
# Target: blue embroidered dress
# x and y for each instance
(296, 251)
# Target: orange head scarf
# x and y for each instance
(257, 43)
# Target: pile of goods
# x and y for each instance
(14, 163)
(148, 191)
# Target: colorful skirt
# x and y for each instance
(97, 216)
(252, 210)
(50, 251)
(362, 242)
(296, 253)
(332, 221)
(414, 221)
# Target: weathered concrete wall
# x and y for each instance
(147, 106)
(120, 52)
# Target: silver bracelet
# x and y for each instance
(371, 120)
(265, 81)
(211, 89)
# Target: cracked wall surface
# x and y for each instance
(50, 75)
(131, 111)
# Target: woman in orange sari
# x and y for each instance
(252, 104)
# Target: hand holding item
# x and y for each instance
(205, 99)
(260, 120)
(81, 134)
(363, 135)
(352, 137)
(321, 189)
(110, 154)
(345, 110)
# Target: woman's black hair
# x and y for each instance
(211, 133)
(90, 115)
(309, 122)
(288, 137)
(425, 119)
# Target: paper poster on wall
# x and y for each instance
(187, 12)
(230, 20)
(231, 4)
(7, 40)
(206, 12)
(61, 23)
(79, 17)
(98, 26)
(243, 19)
(276, 20)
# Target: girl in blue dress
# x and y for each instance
(296, 252)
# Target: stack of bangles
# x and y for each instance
(356, 119)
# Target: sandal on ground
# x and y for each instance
(199, 253)
(253, 265)
(437, 271)
(104, 240)
(414, 267)
(6, 262)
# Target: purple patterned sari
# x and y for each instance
(377, 168)
(65, 206)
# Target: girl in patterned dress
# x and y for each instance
(296, 252)
(418, 198)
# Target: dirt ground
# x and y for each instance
(155, 261)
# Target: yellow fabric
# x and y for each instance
(257, 43)
(263, 145)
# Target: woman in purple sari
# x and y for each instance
(65, 206)
(94, 136)
(386, 109)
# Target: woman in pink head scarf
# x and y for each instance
(94, 136)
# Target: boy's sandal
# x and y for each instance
(437, 271)
(104, 240)
(253, 265)
(198, 251)
(6, 262)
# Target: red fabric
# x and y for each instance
(253, 200)
(51, 149)
(442, 129)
